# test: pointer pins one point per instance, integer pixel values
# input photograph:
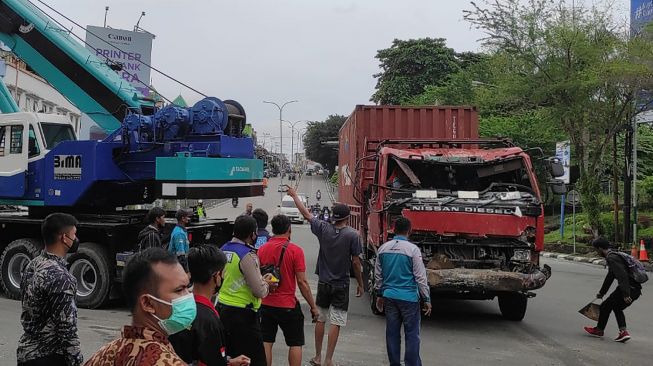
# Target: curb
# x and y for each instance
(591, 260)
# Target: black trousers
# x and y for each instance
(51, 360)
(244, 337)
(615, 303)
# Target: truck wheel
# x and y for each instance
(513, 306)
(94, 270)
(368, 281)
(13, 262)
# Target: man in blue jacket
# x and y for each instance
(179, 243)
(400, 285)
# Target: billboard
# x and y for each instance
(131, 49)
(563, 152)
(641, 13)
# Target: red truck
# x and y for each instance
(475, 204)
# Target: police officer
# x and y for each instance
(241, 292)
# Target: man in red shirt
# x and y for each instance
(281, 308)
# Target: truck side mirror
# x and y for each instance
(558, 187)
(556, 168)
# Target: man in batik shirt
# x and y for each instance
(49, 315)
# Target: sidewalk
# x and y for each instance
(592, 260)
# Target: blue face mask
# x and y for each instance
(184, 311)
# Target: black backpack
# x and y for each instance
(275, 269)
(636, 269)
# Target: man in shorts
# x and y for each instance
(340, 247)
(280, 308)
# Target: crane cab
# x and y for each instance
(25, 138)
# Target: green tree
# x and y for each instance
(319, 132)
(531, 129)
(407, 67)
(577, 65)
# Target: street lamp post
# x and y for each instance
(300, 134)
(281, 124)
(292, 140)
(300, 141)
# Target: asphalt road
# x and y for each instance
(458, 332)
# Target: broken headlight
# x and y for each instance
(521, 255)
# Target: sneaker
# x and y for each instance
(594, 332)
(623, 336)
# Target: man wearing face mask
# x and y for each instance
(156, 291)
(242, 289)
(49, 316)
(204, 343)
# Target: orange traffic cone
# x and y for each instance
(643, 255)
(633, 251)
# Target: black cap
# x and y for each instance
(340, 212)
(182, 213)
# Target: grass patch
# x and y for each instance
(583, 234)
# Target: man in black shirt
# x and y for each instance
(150, 236)
(205, 342)
(627, 291)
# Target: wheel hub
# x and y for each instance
(16, 267)
(86, 276)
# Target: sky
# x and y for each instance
(319, 52)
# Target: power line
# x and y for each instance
(114, 46)
(91, 47)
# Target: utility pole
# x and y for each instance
(634, 181)
(628, 238)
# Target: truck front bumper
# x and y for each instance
(486, 280)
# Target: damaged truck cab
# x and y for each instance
(475, 205)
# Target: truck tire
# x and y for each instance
(15, 258)
(513, 306)
(368, 281)
(94, 270)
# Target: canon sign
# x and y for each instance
(130, 49)
(118, 37)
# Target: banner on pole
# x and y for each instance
(563, 152)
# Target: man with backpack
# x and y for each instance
(280, 308)
(627, 271)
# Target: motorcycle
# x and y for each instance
(318, 195)
(234, 202)
(326, 214)
(315, 210)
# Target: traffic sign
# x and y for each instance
(573, 197)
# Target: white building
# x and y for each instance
(34, 94)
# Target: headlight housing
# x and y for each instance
(521, 255)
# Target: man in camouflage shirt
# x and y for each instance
(49, 315)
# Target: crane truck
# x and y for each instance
(475, 204)
(150, 153)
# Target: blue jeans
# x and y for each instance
(398, 312)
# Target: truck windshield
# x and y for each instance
(287, 204)
(55, 133)
(437, 175)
